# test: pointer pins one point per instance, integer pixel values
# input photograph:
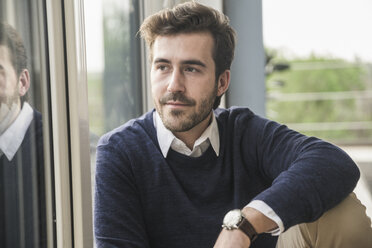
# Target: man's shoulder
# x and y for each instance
(132, 131)
(234, 113)
(38, 120)
(241, 120)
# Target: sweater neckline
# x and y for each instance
(208, 156)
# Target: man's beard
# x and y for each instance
(7, 103)
(190, 119)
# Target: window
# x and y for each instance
(26, 185)
(115, 86)
(113, 59)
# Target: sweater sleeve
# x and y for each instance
(118, 221)
(309, 176)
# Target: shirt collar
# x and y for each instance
(166, 137)
(12, 138)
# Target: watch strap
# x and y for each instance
(248, 229)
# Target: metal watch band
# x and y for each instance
(248, 229)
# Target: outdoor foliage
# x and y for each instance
(305, 93)
(121, 83)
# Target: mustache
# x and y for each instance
(177, 96)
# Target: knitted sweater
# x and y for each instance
(145, 200)
(22, 192)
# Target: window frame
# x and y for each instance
(70, 128)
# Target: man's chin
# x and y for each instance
(177, 128)
(175, 113)
(176, 123)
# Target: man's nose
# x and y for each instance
(176, 82)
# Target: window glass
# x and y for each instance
(113, 64)
(319, 74)
(114, 83)
(23, 79)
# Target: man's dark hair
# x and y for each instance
(10, 38)
(193, 17)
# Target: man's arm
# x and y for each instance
(118, 221)
(308, 176)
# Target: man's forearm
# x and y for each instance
(259, 221)
(238, 239)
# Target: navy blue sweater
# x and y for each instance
(145, 200)
(22, 192)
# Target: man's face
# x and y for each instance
(9, 88)
(183, 79)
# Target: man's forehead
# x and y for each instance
(6, 62)
(197, 45)
(185, 35)
(4, 52)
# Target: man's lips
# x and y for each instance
(176, 104)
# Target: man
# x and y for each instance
(22, 198)
(168, 178)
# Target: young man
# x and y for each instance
(168, 178)
(22, 198)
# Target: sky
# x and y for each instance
(339, 28)
(94, 35)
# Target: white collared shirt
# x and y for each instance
(12, 138)
(209, 137)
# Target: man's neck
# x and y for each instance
(8, 115)
(189, 137)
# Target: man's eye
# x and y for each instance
(191, 69)
(162, 67)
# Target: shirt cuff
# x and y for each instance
(269, 213)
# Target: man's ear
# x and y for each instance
(23, 82)
(223, 82)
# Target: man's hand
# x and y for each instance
(232, 238)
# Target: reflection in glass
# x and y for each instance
(22, 190)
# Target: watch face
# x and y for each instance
(232, 219)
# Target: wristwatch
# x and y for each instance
(235, 219)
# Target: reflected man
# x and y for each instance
(22, 197)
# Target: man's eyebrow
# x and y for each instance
(193, 62)
(184, 62)
(161, 60)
